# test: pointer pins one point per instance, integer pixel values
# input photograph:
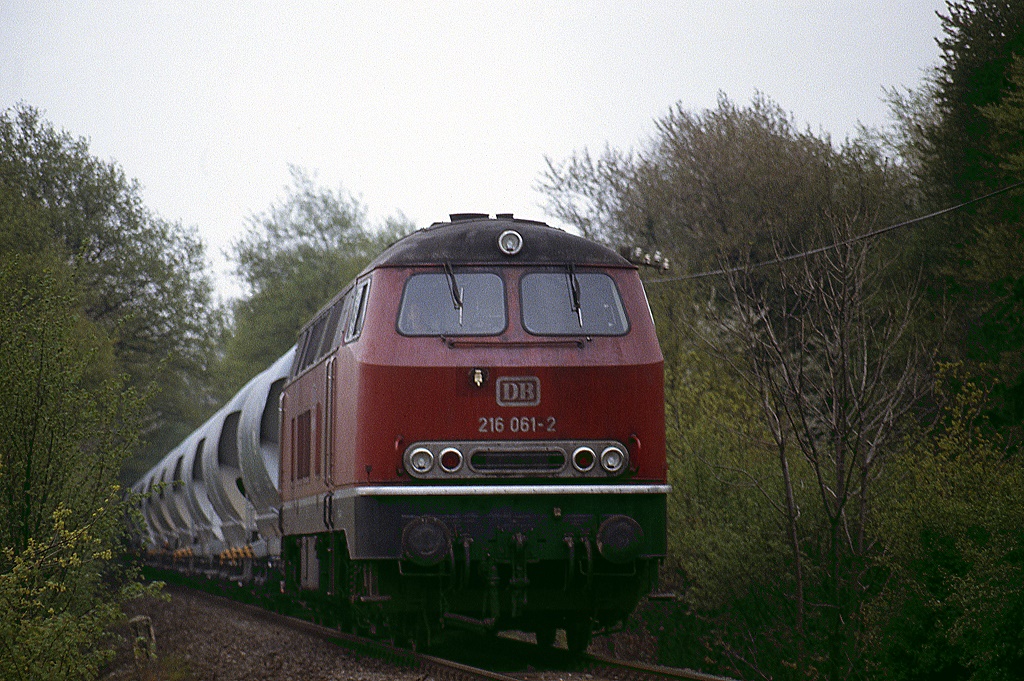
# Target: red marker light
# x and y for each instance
(583, 459)
(451, 459)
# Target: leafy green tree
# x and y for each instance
(999, 336)
(960, 132)
(141, 278)
(952, 602)
(293, 259)
(786, 386)
(980, 40)
(1007, 119)
(67, 424)
(710, 185)
(726, 551)
(951, 509)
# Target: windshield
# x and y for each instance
(571, 303)
(453, 304)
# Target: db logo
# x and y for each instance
(518, 391)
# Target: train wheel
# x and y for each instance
(577, 635)
(546, 635)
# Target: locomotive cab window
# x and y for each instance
(571, 303)
(453, 304)
(311, 343)
(329, 341)
(356, 314)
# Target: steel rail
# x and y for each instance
(601, 666)
(598, 664)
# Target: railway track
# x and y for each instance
(531, 663)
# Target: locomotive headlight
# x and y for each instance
(426, 541)
(510, 242)
(421, 460)
(451, 459)
(620, 539)
(583, 459)
(613, 459)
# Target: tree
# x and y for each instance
(952, 603)
(713, 184)
(836, 375)
(726, 551)
(820, 349)
(292, 260)
(67, 423)
(1007, 119)
(961, 131)
(981, 38)
(141, 278)
(999, 335)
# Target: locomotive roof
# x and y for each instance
(473, 239)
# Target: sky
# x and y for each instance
(427, 108)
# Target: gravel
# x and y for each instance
(201, 639)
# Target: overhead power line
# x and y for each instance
(846, 242)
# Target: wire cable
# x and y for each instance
(846, 242)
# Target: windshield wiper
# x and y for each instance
(455, 290)
(574, 291)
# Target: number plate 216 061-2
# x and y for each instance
(516, 424)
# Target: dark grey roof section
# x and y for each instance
(472, 239)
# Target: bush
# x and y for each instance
(952, 527)
(66, 426)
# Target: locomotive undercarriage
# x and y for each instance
(486, 563)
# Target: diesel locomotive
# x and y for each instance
(471, 433)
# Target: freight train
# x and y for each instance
(471, 433)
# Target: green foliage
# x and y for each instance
(720, 466)
(810, 540)
(733, 563)
(141, 279)
(981, 37)
(293, 259)
(963, 131)
(783, 384)
(67, 423)
(47, 373)
(951, 521)
(1007, 119)
(997, 337)
(55, 613)
(715, 184)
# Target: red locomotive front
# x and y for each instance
(473, 433)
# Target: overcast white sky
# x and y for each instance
(427, 108)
